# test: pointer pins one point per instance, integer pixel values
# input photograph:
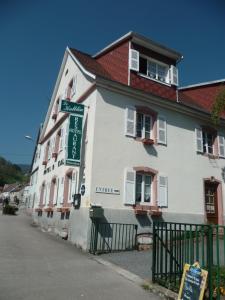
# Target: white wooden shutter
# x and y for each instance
(73, 186)
(199, 140)
(134, 60)
(130, 121)
(221, 145)
(61, 190)
(129, 186)
(173, 75)
(161, 130)
(162, 191)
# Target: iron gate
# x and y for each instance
(175, 244)
(108, 237)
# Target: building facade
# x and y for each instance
(149, 150)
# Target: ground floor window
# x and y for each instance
(143, 188)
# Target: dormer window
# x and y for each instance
(154, 70)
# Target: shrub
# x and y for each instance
(9, 210)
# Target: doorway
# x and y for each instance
(211, 202)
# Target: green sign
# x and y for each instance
(74, 140)
(72, 107)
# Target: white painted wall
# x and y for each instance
(83, 83)
(113, 152)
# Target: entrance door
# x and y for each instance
(211, 203)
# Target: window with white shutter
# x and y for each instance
(61, 191)
(129, 186)
(161, 131)
(134, 60)
(61, 139)
(221, 145)
(74, 86)
(56, 191)
(130, 121)
(199, 141)
(162, 191)
(173, 75)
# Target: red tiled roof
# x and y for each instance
(90, 64)
(201, 96)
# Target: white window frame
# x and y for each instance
(142, 202)
(206, 145)
(143, 131)
(158, 63)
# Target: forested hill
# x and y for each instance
(10, 173)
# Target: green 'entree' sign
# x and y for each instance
(74, 140)
(72, 107)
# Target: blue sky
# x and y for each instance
(34, 35)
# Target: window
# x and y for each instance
(154, 70)
(71, 89)
(208, 141)
(143, 188)
(143, 126)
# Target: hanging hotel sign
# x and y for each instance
(193, 282)
(72, 107)
(74, 140)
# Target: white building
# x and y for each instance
(148, 151)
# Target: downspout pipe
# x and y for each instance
(177, 93)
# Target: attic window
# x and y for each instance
(66, 72)
(154, 70)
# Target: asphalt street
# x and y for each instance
(36, 265)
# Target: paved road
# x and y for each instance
(35, 265)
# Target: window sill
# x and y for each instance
(158, 81)
(48, 209)
(145, 141)
(147, 210)
(63, 209)
(211, 156)
(38, 209)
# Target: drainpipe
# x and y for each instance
(177, 93)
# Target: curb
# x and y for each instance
(146, 285)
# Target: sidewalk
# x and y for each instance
(137, 262)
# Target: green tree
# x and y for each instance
(218, 106)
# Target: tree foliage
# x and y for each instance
(218, 106)
(10, 173)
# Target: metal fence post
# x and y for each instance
(154, 252)
(210, 259)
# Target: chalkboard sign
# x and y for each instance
(193, 283)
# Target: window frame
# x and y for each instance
(143, 127)
(205, 144)
(143, 188)
(158, 63)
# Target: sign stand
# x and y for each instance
(193, 283)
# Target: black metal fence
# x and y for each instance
(175, 244)
(108, 237)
